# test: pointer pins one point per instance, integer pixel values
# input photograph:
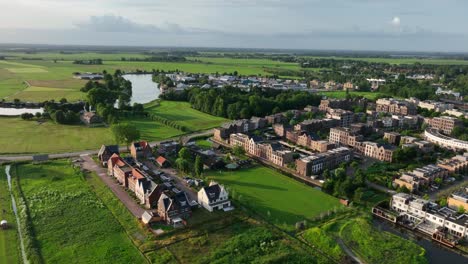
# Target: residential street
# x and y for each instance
(132, 206)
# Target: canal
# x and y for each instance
(435, 253)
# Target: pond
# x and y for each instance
(144, 90)
(435, 253)
(18, 111)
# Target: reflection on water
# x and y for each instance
(144, 90)
(19, 111)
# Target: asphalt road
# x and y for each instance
(29, 157)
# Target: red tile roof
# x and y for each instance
(160, 160)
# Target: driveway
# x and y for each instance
(90, 165)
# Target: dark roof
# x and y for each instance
(276, 146)
(111, 149)
(213, 192)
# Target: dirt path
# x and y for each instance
(90, 165)
(15, 211)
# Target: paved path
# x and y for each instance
(348, 251)
(185, 138)
(118, 190)
(15, 211)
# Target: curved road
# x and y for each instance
(183, 138)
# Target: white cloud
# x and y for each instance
(396, 22)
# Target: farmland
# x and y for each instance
(9, 243)
(16, 75)
(281, 200)
(69, 220)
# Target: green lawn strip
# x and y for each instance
(70, 222)
(184, 115)
(279, 199)
(9, 241)
(376, 246)
(322, 239)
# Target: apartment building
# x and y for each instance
(429, 217)
(348, 86)
(274, 153)
(457, 200)
(344, 117)
(433, 135)
(456, 164)
(390, 105)
(316, 163)
(435, 106)
(379, 151)
(445, 124)
(281, 129)
(423, 176)
(312, 125)
(343, 136)
(392, 138)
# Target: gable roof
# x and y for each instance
(212, 192)
(161, 160)
(110, 149)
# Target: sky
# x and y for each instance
(395, 25)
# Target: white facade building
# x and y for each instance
(214, 197)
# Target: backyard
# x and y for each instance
(70, 222)
(279, 199)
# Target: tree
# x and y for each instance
(125, 133)
(38, 115)
(443, 202)
(438, 181)
(27, 116)
(198, 166)
(238, 150)
(461, 209)
(184, 153)
(358, 193)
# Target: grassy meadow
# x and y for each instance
(342, 94)
(70, 222)
(184, 115)
(280, 199)
(9, 242)
(20, 136)
(49, 137)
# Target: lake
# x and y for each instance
(18, 111)
(144, 90)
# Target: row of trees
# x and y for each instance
(234, 103)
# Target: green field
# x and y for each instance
(71, 223)
(400, 60)
(184, 115)
(342, 94)
(19, 136)
(9, 243)
(280, 199)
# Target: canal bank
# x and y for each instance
(435, 252)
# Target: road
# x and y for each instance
(184, 138)
(90, 165)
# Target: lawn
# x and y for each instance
(342, 94)
(154, 131)
(9, 243)
(19, 136)
(184, 115)
(71, 223)
(281, 200)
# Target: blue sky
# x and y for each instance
(411, 25)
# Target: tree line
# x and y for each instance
(234, 103)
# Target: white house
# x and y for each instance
(214, 197)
